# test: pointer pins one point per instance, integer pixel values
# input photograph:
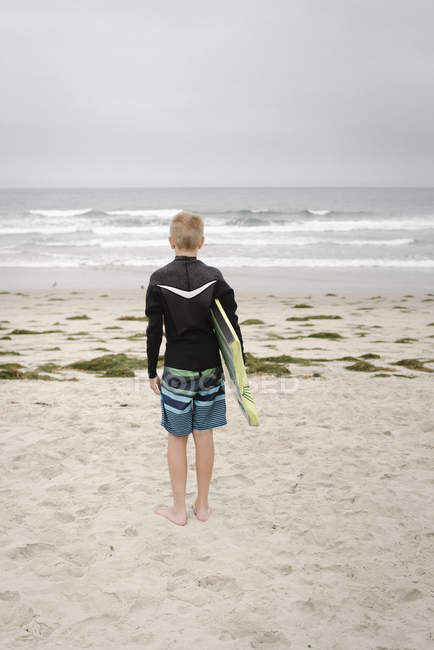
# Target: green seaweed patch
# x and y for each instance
(6, 338)
(133, 337)
(113, 327)
(333, 336)
(56, 299)
(14, 371)
(287, 358)
(346, 358)
(400, 307)
(81, 317)
(139, 318)
(364, 366)
(413, 364)
(427, 300)
(370, 355)
(48, 367)
(55, 349)
(396, 374)
(9, 353)
(3, 293)
(273, 336)
(10, 370)
(430, 324)
(318, 317)
(22, 332)
(302, 305)
(331, 294)
(79, 333)
(407, 339)
(104, 295)
(101, 349)
(260, 365)
(252, 321)
(111, 365)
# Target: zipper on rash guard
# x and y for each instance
(188, 277)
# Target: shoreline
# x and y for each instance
(276, 280)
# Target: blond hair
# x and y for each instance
(186, 230)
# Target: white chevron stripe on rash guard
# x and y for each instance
(187, 294)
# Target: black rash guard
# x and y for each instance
(182, 292)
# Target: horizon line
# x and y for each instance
(216, 187)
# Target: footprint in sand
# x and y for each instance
(218, 583)
(268, 638)
(285, 569)
(64, 517)
(30, 551)
(10, 595)
(37, 629)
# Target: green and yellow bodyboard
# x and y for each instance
(230, 348)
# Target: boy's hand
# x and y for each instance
(155, 384)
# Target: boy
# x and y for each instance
(191, 390)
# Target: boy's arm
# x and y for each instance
(224, 292)
(154, 331)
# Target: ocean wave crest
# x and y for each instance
(164, 213)
(319, 213)
(61, 213)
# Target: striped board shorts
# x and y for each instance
(192, 399)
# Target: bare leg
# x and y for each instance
(204, 442)
(177, 461)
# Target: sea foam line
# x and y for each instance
(210, 241)
(61, 213)
(237, 262)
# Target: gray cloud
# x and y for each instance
(209, 93)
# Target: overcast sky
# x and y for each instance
(198, 92)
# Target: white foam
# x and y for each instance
(210, 241)
(211, 227)
(42, 230)
(166, 213)
(238, 262)
(319, 213)
(60, 213)
(293, 226)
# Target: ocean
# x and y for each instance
(316, 228)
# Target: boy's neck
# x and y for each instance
(181, 253)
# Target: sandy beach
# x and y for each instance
(322, 528)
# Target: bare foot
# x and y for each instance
(178, 518)
(201, 513)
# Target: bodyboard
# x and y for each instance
(230, 348)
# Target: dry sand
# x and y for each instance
(322, 529)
